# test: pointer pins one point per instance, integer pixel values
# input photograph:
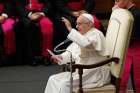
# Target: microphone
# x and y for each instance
(62, 50)
(62, 43)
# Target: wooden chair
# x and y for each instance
(117, 39)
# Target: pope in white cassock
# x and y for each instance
(88, 47)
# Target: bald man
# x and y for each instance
(132, 62)
(88, 47)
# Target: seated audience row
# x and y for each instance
(29, 27)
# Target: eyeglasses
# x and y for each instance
(80, 23)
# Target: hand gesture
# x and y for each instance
(56, 58)
(36, 15)
(67, 23)
(2, 19)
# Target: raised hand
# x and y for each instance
(67, 23)
(56, 58)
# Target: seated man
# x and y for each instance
(88, 47)
(37, 31)
(7, 35)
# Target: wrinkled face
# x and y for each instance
(83, 24)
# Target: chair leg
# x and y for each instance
(118, 85)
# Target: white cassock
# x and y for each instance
(85, 49)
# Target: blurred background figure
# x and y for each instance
(37, 31)
(132, 62)
(7, 34)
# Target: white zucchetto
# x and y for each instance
(88, 16)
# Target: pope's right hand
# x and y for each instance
(56, 58)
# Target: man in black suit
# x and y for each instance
(37, 30)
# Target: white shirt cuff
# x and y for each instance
(78, 38)
(5, 15)
(30, 14)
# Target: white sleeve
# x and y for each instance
(78, 38)
(5, 15)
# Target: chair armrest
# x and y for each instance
(66, 67)
(104, 62)
(81, 67)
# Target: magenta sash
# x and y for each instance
(9, 36)
(47, 35)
